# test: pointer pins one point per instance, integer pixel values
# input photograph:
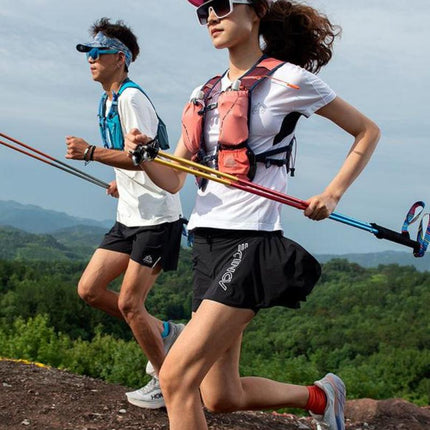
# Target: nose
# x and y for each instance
(212, 17)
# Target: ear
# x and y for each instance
(121, 59)
(256, 17)
(261, 9)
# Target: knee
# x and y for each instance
(87, 293)
(221, 404)
(174, 382)
(168, 378)
(129, 307)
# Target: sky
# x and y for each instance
(381, 66)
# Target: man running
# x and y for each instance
(146, 236)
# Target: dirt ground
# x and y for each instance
(41, 398)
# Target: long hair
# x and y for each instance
(296, 33)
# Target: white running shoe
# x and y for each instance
(333, 418)
(149, 396)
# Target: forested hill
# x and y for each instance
(79, 242)
(67, 238)
(69, 244)
(372, 326)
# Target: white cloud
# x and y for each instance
(380, 65)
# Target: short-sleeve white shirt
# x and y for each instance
(221, 206)
(141, 202)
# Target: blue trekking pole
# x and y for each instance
(419, 246)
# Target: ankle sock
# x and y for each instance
(317, 401)
(166, 329)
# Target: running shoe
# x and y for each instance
(333, 418)
(174, 332)
(150, 396)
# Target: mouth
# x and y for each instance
(215, 31)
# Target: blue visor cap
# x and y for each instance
(102, 41)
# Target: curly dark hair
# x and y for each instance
(119, 31)
(296, 33)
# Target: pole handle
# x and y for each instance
(394, 236)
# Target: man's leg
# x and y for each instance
(138, 280)
(103, 268)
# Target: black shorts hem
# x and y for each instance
(147, 245)
(195, 306)
(251, 270)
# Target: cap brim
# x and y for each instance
(88, 46)
(196, 2)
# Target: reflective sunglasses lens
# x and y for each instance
(222, 8)
(93, 54)
(203, 13)
(96, 52)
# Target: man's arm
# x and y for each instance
(77, 146)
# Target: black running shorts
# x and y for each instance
(251, 269)
(147, 245)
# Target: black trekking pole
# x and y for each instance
(51, 161)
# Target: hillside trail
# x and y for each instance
(37, 397)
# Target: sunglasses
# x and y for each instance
(95, 53)
(221, 8)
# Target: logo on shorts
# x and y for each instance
(237, 259)
(148, 260)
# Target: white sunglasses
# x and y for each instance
(221, 8)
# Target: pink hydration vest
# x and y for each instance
(233, 155)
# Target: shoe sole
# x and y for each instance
(146, 405)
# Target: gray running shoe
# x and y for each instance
(150, 396)
(175, 331)
(333, 418)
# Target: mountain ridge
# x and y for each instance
(35, 219)
(77, 238)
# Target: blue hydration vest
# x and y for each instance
(110, 124)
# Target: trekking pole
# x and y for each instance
(67, 169)
(419, 246)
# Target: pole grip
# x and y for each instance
(394, 236)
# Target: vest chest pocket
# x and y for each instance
(234, 156)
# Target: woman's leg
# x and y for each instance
(223, 390)
(209, 334)
(207, 356)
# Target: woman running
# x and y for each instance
(243, 123)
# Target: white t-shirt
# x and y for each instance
(221, 206)
(141, 202)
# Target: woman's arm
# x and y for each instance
(366, 134)
(168, 178)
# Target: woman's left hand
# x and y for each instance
(320, 206)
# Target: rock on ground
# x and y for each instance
(35, 397)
